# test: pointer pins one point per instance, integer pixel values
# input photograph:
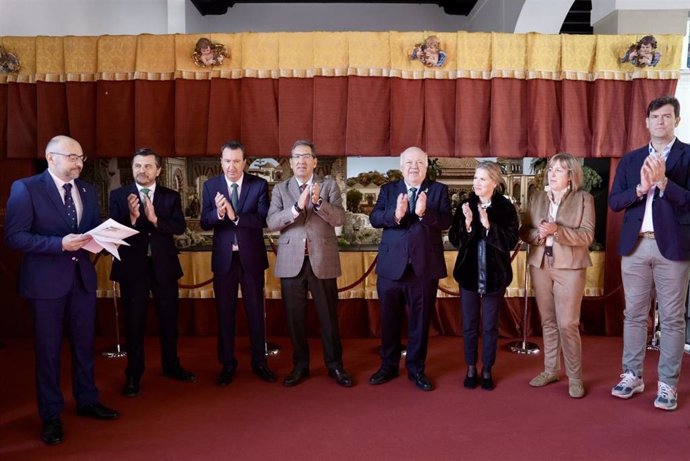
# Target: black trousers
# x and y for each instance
(135, 299)
(325, 295)
(418, 295)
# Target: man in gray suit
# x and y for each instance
(306, 209)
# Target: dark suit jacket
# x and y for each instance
(671, 212)
(253, 208)
(416, 240)
(35, 225)
(134, 259)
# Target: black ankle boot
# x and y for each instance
(471, 380)
(487, 380)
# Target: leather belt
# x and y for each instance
(647, 235)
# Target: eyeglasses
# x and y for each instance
(302, 156)
(72, 157)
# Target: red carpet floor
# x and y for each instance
(317, 420)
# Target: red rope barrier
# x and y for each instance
(361, 279)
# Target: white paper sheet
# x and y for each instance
(109, 236)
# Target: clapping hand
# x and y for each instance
(420, 206)
(401, 206)
(315, 193)
(150, 211)
(484, 218)
(222, 205)
(304, 198)
(467, 212)
(133, 204)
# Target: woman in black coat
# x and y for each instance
(485, 230)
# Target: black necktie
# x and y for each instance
(413, 199)
(302, 187)
(69, 206)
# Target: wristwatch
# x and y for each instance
(297, 208)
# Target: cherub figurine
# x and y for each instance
(429, 52)
(207, 54)
(643, 53)
(9, 62)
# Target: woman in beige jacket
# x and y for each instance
(559, 228)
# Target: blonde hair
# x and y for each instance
(496, 175)
(572, 164)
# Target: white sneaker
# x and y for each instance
(666, 397)
(629, 385)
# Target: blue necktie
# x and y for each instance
(69, 206)
(413, 199)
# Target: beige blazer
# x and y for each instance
(575, 220)
(311, 228)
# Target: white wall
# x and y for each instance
(643, 22)
(113, 17)
(299, 17)
(82, 17)
(495, 15)
(543, 16)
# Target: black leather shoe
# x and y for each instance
(295, 377)
(265, 373)
(488, 382)
(180, 374)
(131, 388)
(52, 433)
(383, 375)
(421, 381)
(471, 382)
(225, 377)
(340, 376)
(98, 411)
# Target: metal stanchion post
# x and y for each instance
(117, 350)
(525, 347)
(655, 340)
(270, 349)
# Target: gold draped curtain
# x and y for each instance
(471, 55)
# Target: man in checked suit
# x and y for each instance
(47, 215)
(652, 186)
(412, 213)
(235, 205)
(306, 209)
(149, 264)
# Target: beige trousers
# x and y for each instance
(559, 297)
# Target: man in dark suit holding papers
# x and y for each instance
(47, 215)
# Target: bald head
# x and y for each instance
(65, 157)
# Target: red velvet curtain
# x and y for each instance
(343, 115)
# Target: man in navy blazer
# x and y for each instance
(235, 205)
(652, 186)
(412, 212)
(47, 215)
(149, 264)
